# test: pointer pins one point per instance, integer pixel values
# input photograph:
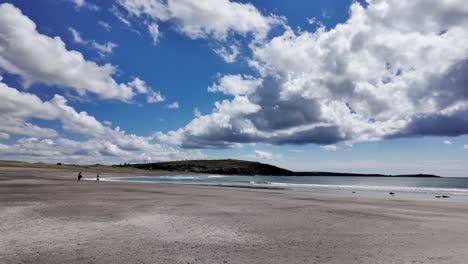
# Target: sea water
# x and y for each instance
(422, 187)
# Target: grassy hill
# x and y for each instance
(41, 165)
(242, 167)
(224, 167)
(221, 167)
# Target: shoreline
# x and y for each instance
(47, 217)
(426, 193)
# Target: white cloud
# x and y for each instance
(102, 144)
(91, 151)
(79, 3)
(19, 107)
(155, 97)
(49, 62)
(84, 3)
(153, 29)
(220, 122)
(236, 84)
(447, 142)
(155, 9)
(264, 154)
(196, 112)
(370, 78)
(465, 146)
(363, 70)
(105, 25)
(228, 54)
(18, 126)
(102, 49)
(115, 11)
(76, 36)
(312, 20)
(329, 147)
(141, 87)
(201, 19)
(174, 105)
(4, 135)
(296, 150)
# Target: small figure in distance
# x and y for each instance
(79, 176)
(97, 177)
(391, 193)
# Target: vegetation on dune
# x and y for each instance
(41, 165)
(225, 167)
(242, 167)
(222, 167)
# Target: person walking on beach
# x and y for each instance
(97, 177)
(79, 176)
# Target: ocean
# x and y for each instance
(416, 187)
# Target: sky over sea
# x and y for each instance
(376, 86)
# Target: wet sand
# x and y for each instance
(47, 217)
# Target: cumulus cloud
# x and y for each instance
(17, 126)
(228, 54)
(383, 73)
(311, 21)
(141, 87)
(329, 147)
(202, 19)
(296, 150)
(174, 105)
(263, 154)
(90, 151)
(19, 107)
(102, 144)
(155, 97)
(102, 49)
(38, 58)
(236, 85)
(4, 135)
(222, 125)
(447, 142)
(196, 112)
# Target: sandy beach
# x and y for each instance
(47, 217)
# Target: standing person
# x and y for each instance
(79, 176)
(97, 177)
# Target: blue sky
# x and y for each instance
(306, 85)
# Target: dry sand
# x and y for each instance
(47, 217)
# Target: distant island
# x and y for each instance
(242, 167)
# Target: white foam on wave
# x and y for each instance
(217, 176)
(375, 188)
(164, 179)
(176, 177)
(197, 180)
